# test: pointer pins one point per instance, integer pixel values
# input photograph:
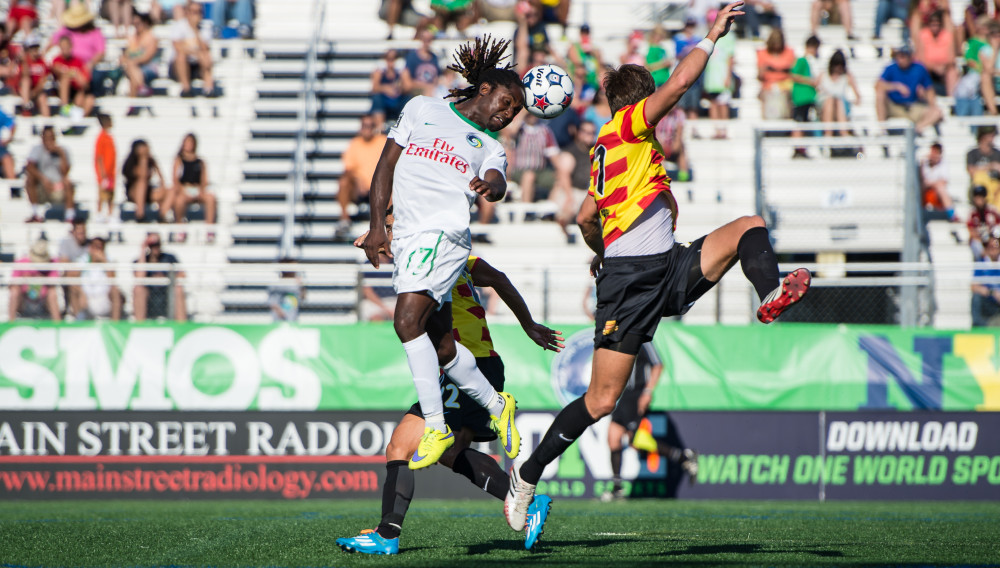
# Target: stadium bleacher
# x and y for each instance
(248, 138)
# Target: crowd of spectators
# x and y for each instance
(77, 294)
(69, 72)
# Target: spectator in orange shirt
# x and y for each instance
(360, 160)
(105, 162)
(936, 51)
(774, 71)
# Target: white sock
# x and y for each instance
(36, 210)
(462, 371)
(422, 357)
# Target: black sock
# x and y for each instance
(483, 471)
(566, 428)
(396, 496)
(616, 463)
(672, 454)
(758, 261)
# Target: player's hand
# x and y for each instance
(595, 265)
(360, 241)
(376, 242)
(644, 401)
(546, 338)
(481, 187)
(724, 20)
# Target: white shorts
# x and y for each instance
(428, 262)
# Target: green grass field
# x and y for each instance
(473, 534)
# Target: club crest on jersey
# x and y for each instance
(474, 141)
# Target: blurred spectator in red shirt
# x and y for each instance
(88, 42)
(22, 17)
(983, 220)
(74, 79)
(34, 75)
(934, 183)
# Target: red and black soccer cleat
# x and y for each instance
(792, 289)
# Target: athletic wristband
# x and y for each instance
(706, 45)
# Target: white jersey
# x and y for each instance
(442, 152)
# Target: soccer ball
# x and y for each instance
(548, 91)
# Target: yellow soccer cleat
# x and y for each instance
(505, 428)
(432, 445)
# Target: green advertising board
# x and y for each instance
(106, 366)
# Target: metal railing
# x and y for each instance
(864, 293)
(850, 228)
(307, 111)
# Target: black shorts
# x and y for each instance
(626, 412)
(801, 112)
(460, 410)
(635, 292)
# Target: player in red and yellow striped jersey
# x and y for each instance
(646, 275)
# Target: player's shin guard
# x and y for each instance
(463, 371)
(423, 361)
(566, 428)
(758, 261)
(483, 471)
(397, 492)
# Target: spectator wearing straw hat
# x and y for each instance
(88, 43)
(34, 300)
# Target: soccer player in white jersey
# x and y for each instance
(439, 157)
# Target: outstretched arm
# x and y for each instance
(381, 192)
(663, 99)
(485, 275)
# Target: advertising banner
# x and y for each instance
(202, 455)
(299, 455)
(192, 367)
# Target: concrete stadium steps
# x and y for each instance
(949, 250)
(255, 300)
(253, 191)
(284, 149)
(269, 253)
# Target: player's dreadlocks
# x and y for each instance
(480, 62)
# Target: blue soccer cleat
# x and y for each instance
(370, 542)
(537, 513)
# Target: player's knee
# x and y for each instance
(752, 221)
(446, 353)
(601, 406)
(406, 325)
(395, 451)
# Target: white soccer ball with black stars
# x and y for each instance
(548, 91)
